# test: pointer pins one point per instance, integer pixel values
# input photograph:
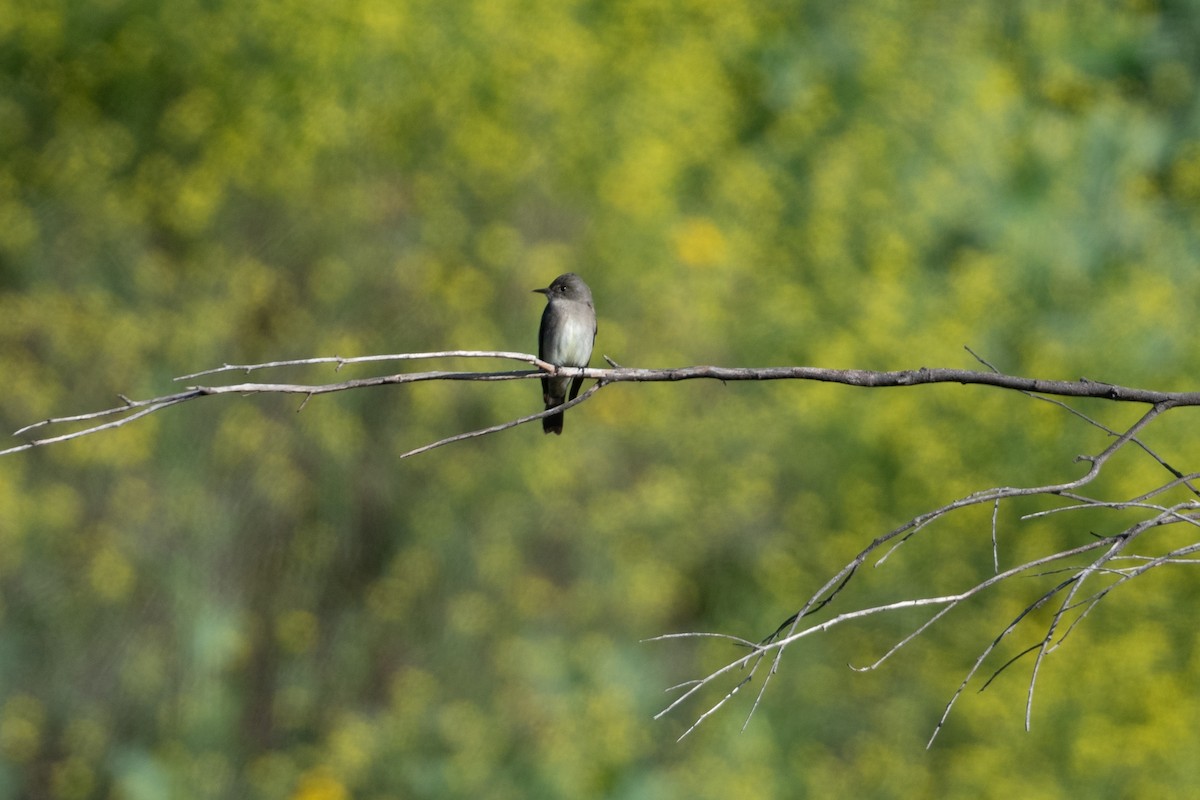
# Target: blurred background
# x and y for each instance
(233, 599)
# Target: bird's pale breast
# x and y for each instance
(572, 347)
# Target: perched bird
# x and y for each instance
(565, 339)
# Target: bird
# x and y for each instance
(565, 339)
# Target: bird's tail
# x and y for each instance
(553, 424)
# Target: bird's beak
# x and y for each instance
(542, 291)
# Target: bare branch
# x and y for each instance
(849, 377)
(791, 631)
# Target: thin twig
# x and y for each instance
(458, 437)
(340, 362)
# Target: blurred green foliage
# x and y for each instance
(232, 599)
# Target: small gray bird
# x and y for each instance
(565, 339)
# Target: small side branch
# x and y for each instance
(339, 361)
